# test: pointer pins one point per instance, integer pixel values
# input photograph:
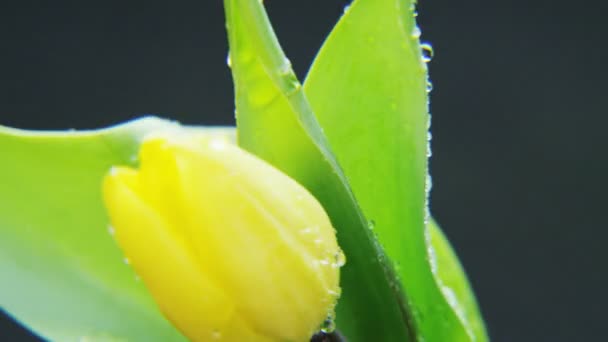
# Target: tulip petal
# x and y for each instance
(253, 216)
(229, 246)
(244, 225)
(163, 261)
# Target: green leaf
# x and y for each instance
(453, 283)
(62, 274)
(275, 122)
(367, 88)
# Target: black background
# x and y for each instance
(519, 150)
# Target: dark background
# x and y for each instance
(518, 124)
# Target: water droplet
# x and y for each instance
(126, 261)
(328, 325)
(229, 60)
(416, 32)
(415, 13)
(371, 224)
(291, 85)
(285, 67)
(111, 230)
(334, 293)
(306, 231)
(339, 259)
(318, 241)
(427, 52)
(346, 8)
(429, 86)
(295, 85)
(216, 335)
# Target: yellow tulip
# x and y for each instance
(230, 248)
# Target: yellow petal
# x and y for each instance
(230, 247)
(276, 242)
(163, 262)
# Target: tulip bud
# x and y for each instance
(229, 247)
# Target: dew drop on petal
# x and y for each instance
(339, 259)
(328, 325)
(216, 335)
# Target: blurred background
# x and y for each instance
(519, 142)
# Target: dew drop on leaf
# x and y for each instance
(427, 52)
(429, 152)
(285, 68)
(371, 224)
(429, 86)
(416, 32)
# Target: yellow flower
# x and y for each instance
(230, 247)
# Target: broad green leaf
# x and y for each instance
(275, 122)
(368, 89)
(62, 274)
(453, 283)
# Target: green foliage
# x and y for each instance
(355, 135)
(373, 107)
(62, 274)
(275, 122)
(452, 281)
